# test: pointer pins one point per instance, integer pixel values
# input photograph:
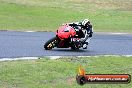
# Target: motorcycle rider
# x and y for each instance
(84, 30)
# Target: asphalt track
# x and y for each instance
(30, 44)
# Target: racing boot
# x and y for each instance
(85, 45)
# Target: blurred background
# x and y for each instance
(48, 15)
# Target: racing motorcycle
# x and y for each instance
(66, 37)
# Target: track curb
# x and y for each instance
(58, 57)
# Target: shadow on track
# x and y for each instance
(69, 50)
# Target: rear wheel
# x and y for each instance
(50, 43)
(75, 46)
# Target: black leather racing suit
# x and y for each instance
(84, 32)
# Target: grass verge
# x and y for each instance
(48, 15)
(61, 73)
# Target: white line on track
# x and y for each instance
(56, 57)
(119, 33)
(111, 33)
(20, 58)
(29, 31)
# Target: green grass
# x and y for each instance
(48, 15)
(61, 73)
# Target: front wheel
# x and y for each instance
(50, 43)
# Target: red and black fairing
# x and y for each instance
(64, 35)
(65, 38)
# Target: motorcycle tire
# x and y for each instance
(46, 45)
(74, 46)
